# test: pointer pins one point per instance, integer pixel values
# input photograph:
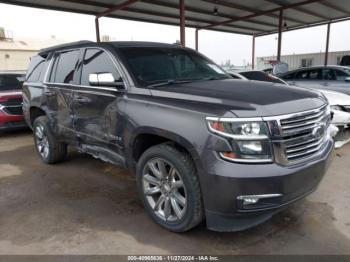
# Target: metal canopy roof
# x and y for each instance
(249, 17)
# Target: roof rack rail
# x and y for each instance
(62, 46)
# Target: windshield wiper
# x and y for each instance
(170, 82)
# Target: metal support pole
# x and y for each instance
(97, 26)
(182, 23)
(253, 53)
(327, 44)
(197, 31)
(280, 24)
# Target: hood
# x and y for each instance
(245, 98)
(336, 98)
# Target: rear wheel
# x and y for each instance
(169, 187)
(48, 148)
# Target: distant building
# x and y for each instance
(302, 60)
(15, 53)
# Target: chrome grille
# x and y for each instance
(298, 137)
(13, 110)
(304, 134)
(12, 106)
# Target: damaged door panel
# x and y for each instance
(95, 107)
(58, 91)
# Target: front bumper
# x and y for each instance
(224, 182)
(11, 122)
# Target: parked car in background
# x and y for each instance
(202, 145)
(340, 103)
(333, 78)
(11, 114)
(345, 61)
(261, 76)
(236, 75)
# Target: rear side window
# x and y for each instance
(97, 61)
(64, 67)
(35, 68)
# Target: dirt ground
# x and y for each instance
(85, 206)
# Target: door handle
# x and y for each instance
(80, 99)
(49, 93)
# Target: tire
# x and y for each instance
(48, 148)
(175, 204)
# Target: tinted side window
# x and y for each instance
(66, 65)
(43, 70)
(97, 61)
(314, 74)
(329, 74)
(35, 68)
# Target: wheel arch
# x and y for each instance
(35, 112)
(145, 138)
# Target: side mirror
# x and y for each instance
(105, 79)
(347, 79)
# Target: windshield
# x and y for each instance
(154, 65)
(10, 82)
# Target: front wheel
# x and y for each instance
(169, 188)
(48, 148)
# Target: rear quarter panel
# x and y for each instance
(32, 97)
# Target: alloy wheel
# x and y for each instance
(42, 142)
(164, 190)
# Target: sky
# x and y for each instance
(39, 23)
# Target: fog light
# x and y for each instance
(248, 200)
(258, 201)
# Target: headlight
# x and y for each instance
(249, 139)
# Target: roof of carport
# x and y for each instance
(250, 17)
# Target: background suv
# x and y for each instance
(202, 144)
(11, 114)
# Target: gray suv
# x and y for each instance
(201, 144)
(334, 78)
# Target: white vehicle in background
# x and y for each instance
(340, 103)
(332, 78)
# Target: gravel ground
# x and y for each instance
(85, 206)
